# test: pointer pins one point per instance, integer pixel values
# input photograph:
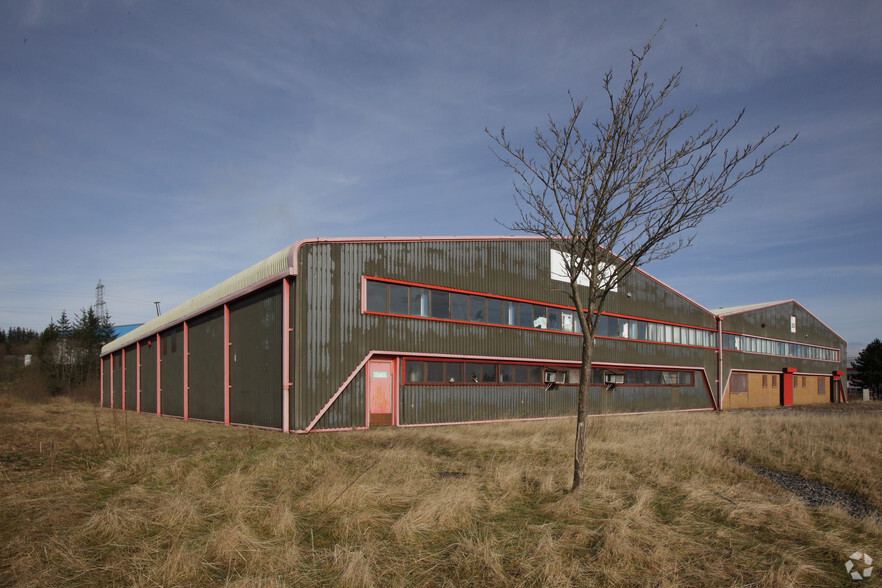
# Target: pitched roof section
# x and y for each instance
(258, 275)
(748, 307)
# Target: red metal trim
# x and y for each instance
(123, 378)
(506, 299)
(186, 370)
(721, 391)
(138, 376)
(158, 376)
(101, 382)
(227, 364)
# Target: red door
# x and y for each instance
(787, 387)
(379, 380)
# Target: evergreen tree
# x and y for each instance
(868, 366)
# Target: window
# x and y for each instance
(419, 301)
(774, 381)
(440, 304)
(398, 299)
(494, 311)
(803, 381)
(738, 384)
(765, 381)
(415, 371)
(477, 309)
(483, 373)
(540, 318)
(525, 315)
(434, 372)
(459, 306)
(554, 319)
(822, 388)
(511, 313)
(376, 296)
(453, 372)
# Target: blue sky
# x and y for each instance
(164, 146)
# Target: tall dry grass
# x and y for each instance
(95, 497)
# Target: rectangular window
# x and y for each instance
(506, 373)
(765, 381)
(738, 384)
(419, 301)
(434, 372)
(415, 371)
(803, 381)
(453, 372)
(774, 381)
(540, 318)
(398, 299)
(525, 315)
(573, 376)
(376, 296)
(822, 389)
(568, 321)
(481, 373)
(459, 306)
(554, 319)
(494, 311)
(520, 374)
(477, 309)
(534, 374)
(440, 304)
(669, 334)
(511, 313)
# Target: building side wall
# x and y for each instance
(806, 389)
(148, 377)
(206, 367)
(117, 380)
(256, 359)
(172, 371)
(105, 381)
(333, 335)
(131, 378)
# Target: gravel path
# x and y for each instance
(817, 494)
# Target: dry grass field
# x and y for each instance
(94, 497)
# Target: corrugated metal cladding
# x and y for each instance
(105, 382)
(148, 377)
(206, 367)
(117, 379)
(256, 359)
(333, 335)
(131, 379)
(171, 357)
(456, 404)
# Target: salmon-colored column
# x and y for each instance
(286, 355)
(186, 370)
(158, 376)
(123, 379)
(138, 376)
(226, 364)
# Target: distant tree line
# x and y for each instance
(16, 338)
(868, 367)
(69, 349)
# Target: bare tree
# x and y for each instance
(627, 193)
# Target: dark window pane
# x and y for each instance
(453, 372)
(494, 311)
(641, 330)
(511, 313)
(506, 373)
(488, 373)
(440, 304)
(601, 327)
(414, 371)
(540, 317)
(473, 372)
(376, 296)
(477, 309)
(525, 314)
(459, 307)
(535, 374)
(398, 296)
(612, 326)
(434, 371)
(520, 374)
(554, 319)
(596, 376)
(419, 301)
(573, 376)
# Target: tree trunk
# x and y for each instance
(582, 412)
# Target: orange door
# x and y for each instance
(380, 392)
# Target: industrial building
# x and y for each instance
(333, 334)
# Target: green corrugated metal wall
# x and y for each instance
(172, 371)
(105, 382)
(148, 377)
(333, 336)
(206, 367)
(256, 359)
(117, 379)
(131, 378)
